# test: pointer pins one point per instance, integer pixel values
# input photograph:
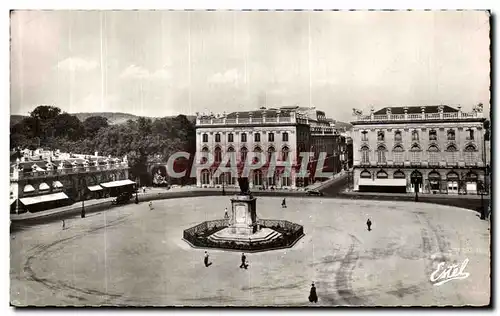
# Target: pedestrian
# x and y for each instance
(63, 224)
(243, 261)
(143, 189)
(312, 294)
(226, 215)
(207, 263)
(150, 205)
(283, 203)
(369, 224)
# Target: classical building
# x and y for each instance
(439, 145)
(41, 180)
(281, 132)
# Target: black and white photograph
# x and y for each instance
(250, 158)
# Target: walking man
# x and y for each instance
(226, 216)
(150, 205)
(207, 264)
(369, 224)
(243, 261)
(283, 204)
(313, 298)
(64, 225)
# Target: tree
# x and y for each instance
(67, 125)
(45, 112)
(93, 124)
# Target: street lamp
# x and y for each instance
(83, 198)
(481, 189)
(223, 181)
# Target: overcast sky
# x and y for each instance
(158, 63)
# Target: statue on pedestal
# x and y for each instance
(244, 186)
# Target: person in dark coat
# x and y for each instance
(243, 261)
(207, 264)
(313, 298)
(283, 203)
(369, 224)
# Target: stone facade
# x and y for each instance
(284, 132)
(440, 144)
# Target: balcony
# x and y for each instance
(419, 116)
(68, 171)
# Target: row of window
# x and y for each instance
(244, 151)
(470, 155)
(228, 179)
(243, 137)
(450, 135)
(434, 175)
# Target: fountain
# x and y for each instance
(243, 230)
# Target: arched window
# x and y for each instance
(270, 152)
(471, 183)
(257, 177)
(365, 174)
(205, 177)
(382, 175)
(205, 138)
(433, 155)
(243, 154)
(470, 155)
(416, 155)
(381, 154)
(243, 137)
(284, 153)
(452, 154)
(397, 154)
(399, 174)
(231, 153)
(434, 181)
(414, 135)
(365, 155)
(218, 154)
(204, 155)
(452, 182)
(257, 150)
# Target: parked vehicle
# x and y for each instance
(123, 198)
(314, 193)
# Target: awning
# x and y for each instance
(43, 186)
(57, 184)
(28, 188)
(95, 188)
(115, 184)
(43, 198)
(383, 182)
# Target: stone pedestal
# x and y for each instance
(243, 219)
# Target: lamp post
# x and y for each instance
(223, 182)
(481, 189)
(83, 198)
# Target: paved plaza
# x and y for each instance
(131, 255)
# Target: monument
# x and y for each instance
(244, 230)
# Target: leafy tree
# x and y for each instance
(45, 112)
(93, 124)
(67, 125)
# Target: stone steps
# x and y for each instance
(265, 234)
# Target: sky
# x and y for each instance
(161, 63)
